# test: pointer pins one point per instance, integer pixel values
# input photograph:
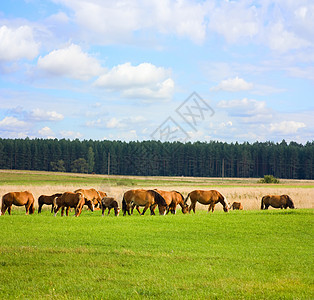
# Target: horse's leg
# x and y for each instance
(67, 211)
(51, 208)
(62, 211)
(40, 205)
(27, 207)
(9, 209)
(132, 208)
(138, 209)
(174, 209)
(3, 208)
(109, 209)
(145, 208)
(56, 209)
(192, 206)
(152, 209)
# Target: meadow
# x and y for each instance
(250, 254)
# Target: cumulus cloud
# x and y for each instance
(69, 134)
(234, 20)
(46, 132)
(12, 124)
(17, 43)
(144, 80)
(286, 127)
(70, 62)
(114, 21)
(38, 114)
(247, 110)
(233, 85)
(282, 40)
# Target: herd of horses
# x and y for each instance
(167, 201)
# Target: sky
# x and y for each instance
(186, 70)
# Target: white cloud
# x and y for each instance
(113, 123)
(282, 40)
(234, 20)
(68, 134)
(144, 80)
(161, 90)
(46, 132)
(42, 115)
(17, 43)
(116, 21)
(12, 124)
(233, 85)
(126, 75)
(70, 62)
(286, 127)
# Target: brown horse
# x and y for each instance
(73, 200)
(146, 198)
(276, 201)
(173, 198)
(19, 199)
(109, 202)
(237, 205)
(210, 198)
(48, 200)
(90, 195)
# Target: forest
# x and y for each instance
(155, 158)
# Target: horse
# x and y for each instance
(109, 202)
(74, 200)
(237, 205)
(173, 198)
(146, 198)
(90, 194)
(276, 201)
(48, 200)
(19, 199)
(211, 198)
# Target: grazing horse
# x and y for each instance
(276, 201)
(109, 202)
(237, 205)
(146, 198)
(74, 200)
(19, 199)
(90, 195)
(173, 198)
(48, 200)
(210, 198)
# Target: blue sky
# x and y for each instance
(125, 70)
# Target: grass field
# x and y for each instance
(239, 255)
(248, 254)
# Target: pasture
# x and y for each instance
(237, 255)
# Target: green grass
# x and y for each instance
(40, 178)
(239, 255)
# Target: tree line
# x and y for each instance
(155, 158)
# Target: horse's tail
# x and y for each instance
(187, 198)
(262, 203)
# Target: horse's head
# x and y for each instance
(90, 204)
(290, 203)
(225, 205)
(162, 209)
(116, 211)
(185, 209)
